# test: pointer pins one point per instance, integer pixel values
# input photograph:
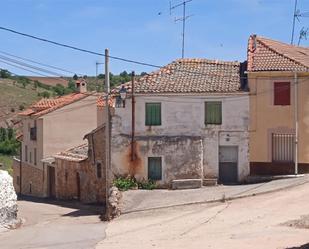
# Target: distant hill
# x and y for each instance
(13, 99)
(50, 81)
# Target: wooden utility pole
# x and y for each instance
(133, 119)
(107, 130)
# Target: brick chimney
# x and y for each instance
(81, 86)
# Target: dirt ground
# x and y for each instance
(270, 221)
(53, 225)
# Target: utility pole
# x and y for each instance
(133, 118)
(183, 19)
(96, 73)
(107, 131)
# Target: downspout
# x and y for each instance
(20, 166)
(133, 119)
(296, 122)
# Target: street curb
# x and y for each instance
(217, 200)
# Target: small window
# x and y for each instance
(153, 113)
(30, 157)
(282, 93)
(35, 156)
(155, 168)
(213, 113)
(26, 153)
(99, 170)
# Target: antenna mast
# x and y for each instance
(183, 19)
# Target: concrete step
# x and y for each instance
(187, 183)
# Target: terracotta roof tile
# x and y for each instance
(76, 154)
(268, 55)
(190, 76)
(45, 106)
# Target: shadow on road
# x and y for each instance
(306, 246)
(81, 209)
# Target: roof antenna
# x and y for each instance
(297, 15)
(303, 34)
(183, 19)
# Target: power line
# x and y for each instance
(78, 49)
(39, 63)
(31, 66)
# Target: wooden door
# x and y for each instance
(228, 164)
(51, 182)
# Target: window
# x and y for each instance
(282, 93)
(155, 168)
(34, 155)
(99, 170)
(26, 153)
(153, 113)
(30, 157)
(213, 113)
(283, 147)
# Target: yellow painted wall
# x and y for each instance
(266, 118)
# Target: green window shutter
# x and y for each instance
(155, 168)
(213, 113)
(153, 114)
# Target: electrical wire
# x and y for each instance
(40, 63)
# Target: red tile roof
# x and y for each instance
(190, 76)
(45, 106)
(268, 55)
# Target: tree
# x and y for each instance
(10, 133)
(75, 77)
(2, 134)
(4, 73)
(143, 73)
(71, 85)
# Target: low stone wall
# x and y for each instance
(32, 179)
(8, 200)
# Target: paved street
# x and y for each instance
(272, 221)
(141, 200)
(54, 226)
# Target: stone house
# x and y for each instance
(190, 122)
(278, 77)
(51, 126)
(80, 172)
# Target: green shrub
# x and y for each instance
(124, 184)
(21, 107)
(149, 185)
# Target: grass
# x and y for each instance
(7, 162)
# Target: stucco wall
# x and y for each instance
(66, 127)
(266, 118)
(183, 116)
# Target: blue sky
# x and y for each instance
(133, 29)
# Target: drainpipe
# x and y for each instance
(20, 166)
(296, 121)
(133, 119)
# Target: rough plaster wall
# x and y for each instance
(66, 127)
(182, 157)
(184, 116)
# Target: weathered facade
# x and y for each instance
(51, 126)
(80, 172)
(183, 144)
(278, 76)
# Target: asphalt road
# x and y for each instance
(52, 225)
(276, 220)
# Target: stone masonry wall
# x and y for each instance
(32, 179)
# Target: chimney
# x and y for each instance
(81, 86)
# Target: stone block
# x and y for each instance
(210, 182)
(186, 183)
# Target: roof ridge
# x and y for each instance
(280, 54)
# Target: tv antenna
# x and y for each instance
(303, 34)
(297, 15)
(183, 19)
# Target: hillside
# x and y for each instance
(14, 98)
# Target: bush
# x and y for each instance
(21, 107)
(44, 94)
(12, 109)
(9, 147)
(149, 185)
(124, 184)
